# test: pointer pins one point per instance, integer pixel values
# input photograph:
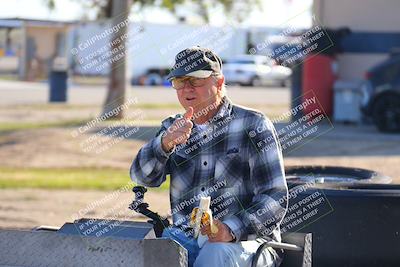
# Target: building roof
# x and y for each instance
(20, 22)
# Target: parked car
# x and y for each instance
(381, 94)
(255, 70)
(152, 77)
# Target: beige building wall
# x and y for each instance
(45, 40)
(358, 15)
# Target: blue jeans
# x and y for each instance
(220, 253)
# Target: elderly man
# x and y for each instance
(221, 150)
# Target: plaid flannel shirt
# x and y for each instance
(235, 159)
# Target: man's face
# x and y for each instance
(199, 93)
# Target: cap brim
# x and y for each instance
(197, 74)
(200, 73)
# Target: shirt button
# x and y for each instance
(205, 163)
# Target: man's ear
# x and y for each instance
(220, 82)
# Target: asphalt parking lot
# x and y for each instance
(13, 93)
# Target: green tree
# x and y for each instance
(118, 11)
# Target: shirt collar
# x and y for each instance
(224, 110)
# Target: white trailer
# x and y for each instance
(149, 45)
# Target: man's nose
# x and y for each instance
(188, 86)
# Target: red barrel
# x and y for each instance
(318, 80)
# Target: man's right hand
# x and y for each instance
(179, 132)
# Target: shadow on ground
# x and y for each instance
(329, 140)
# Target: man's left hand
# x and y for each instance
(223, 234)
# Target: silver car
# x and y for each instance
(255, 70)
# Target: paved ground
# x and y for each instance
(13, 93)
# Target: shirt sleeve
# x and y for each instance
(267, 175)
(150, 166)
(236, 225)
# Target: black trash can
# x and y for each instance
(58, 86)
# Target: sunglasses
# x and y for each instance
(180, 82)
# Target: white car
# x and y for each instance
(255, 70)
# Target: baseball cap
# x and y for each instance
(196, 62)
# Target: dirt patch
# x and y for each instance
(360, 147)
(56, 148)
(28, 208)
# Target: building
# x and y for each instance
(29, 47)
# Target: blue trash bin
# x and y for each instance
(58, 86)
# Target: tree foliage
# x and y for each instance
(236, 10)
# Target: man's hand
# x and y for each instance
(223, 234)
(179, 132)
